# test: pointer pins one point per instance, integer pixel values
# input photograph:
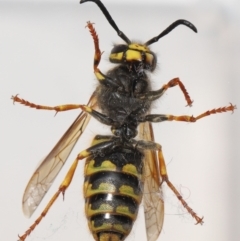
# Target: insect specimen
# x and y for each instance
(120, 170)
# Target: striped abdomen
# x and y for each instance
(113, 192)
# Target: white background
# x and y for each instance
(46, 57)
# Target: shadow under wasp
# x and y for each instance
(120, 170)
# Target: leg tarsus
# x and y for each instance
(177, 81)
(42, 215)
(57, 108)
(199, 220)
(98, 53)
(14, 98)
(183, 202)
(231, 107)
(164, 176)
(187, 118)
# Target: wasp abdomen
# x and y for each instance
(113, 192)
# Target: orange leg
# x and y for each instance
(43, 107)
(187, 118)
(177, 81)
(103, 79)
(156, 94)
(162, 165)
(164, 175)
(150, 145)
(97, 55)
(207, 113)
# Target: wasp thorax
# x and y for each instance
(134, 54)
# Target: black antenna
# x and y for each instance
(109, 18)
(170, 28)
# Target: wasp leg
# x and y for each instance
(155, 94)
(57, 108)
(97, 149)
(149, 145)
(164, 175)
(44, 107)
(186, 118)
(103, 79)
(97, 115)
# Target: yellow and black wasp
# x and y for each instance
(120, 170)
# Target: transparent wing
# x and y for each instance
(49, 168)
(153, 201)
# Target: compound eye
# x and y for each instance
(119, 48)
(154, 62)
(151, 61)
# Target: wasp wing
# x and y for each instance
(49, 168)
(153, 201)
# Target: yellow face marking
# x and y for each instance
(116, 56)
(133, 55)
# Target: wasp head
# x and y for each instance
(134, 54)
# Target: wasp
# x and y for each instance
(127, 166)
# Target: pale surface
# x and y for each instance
(46, 56)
